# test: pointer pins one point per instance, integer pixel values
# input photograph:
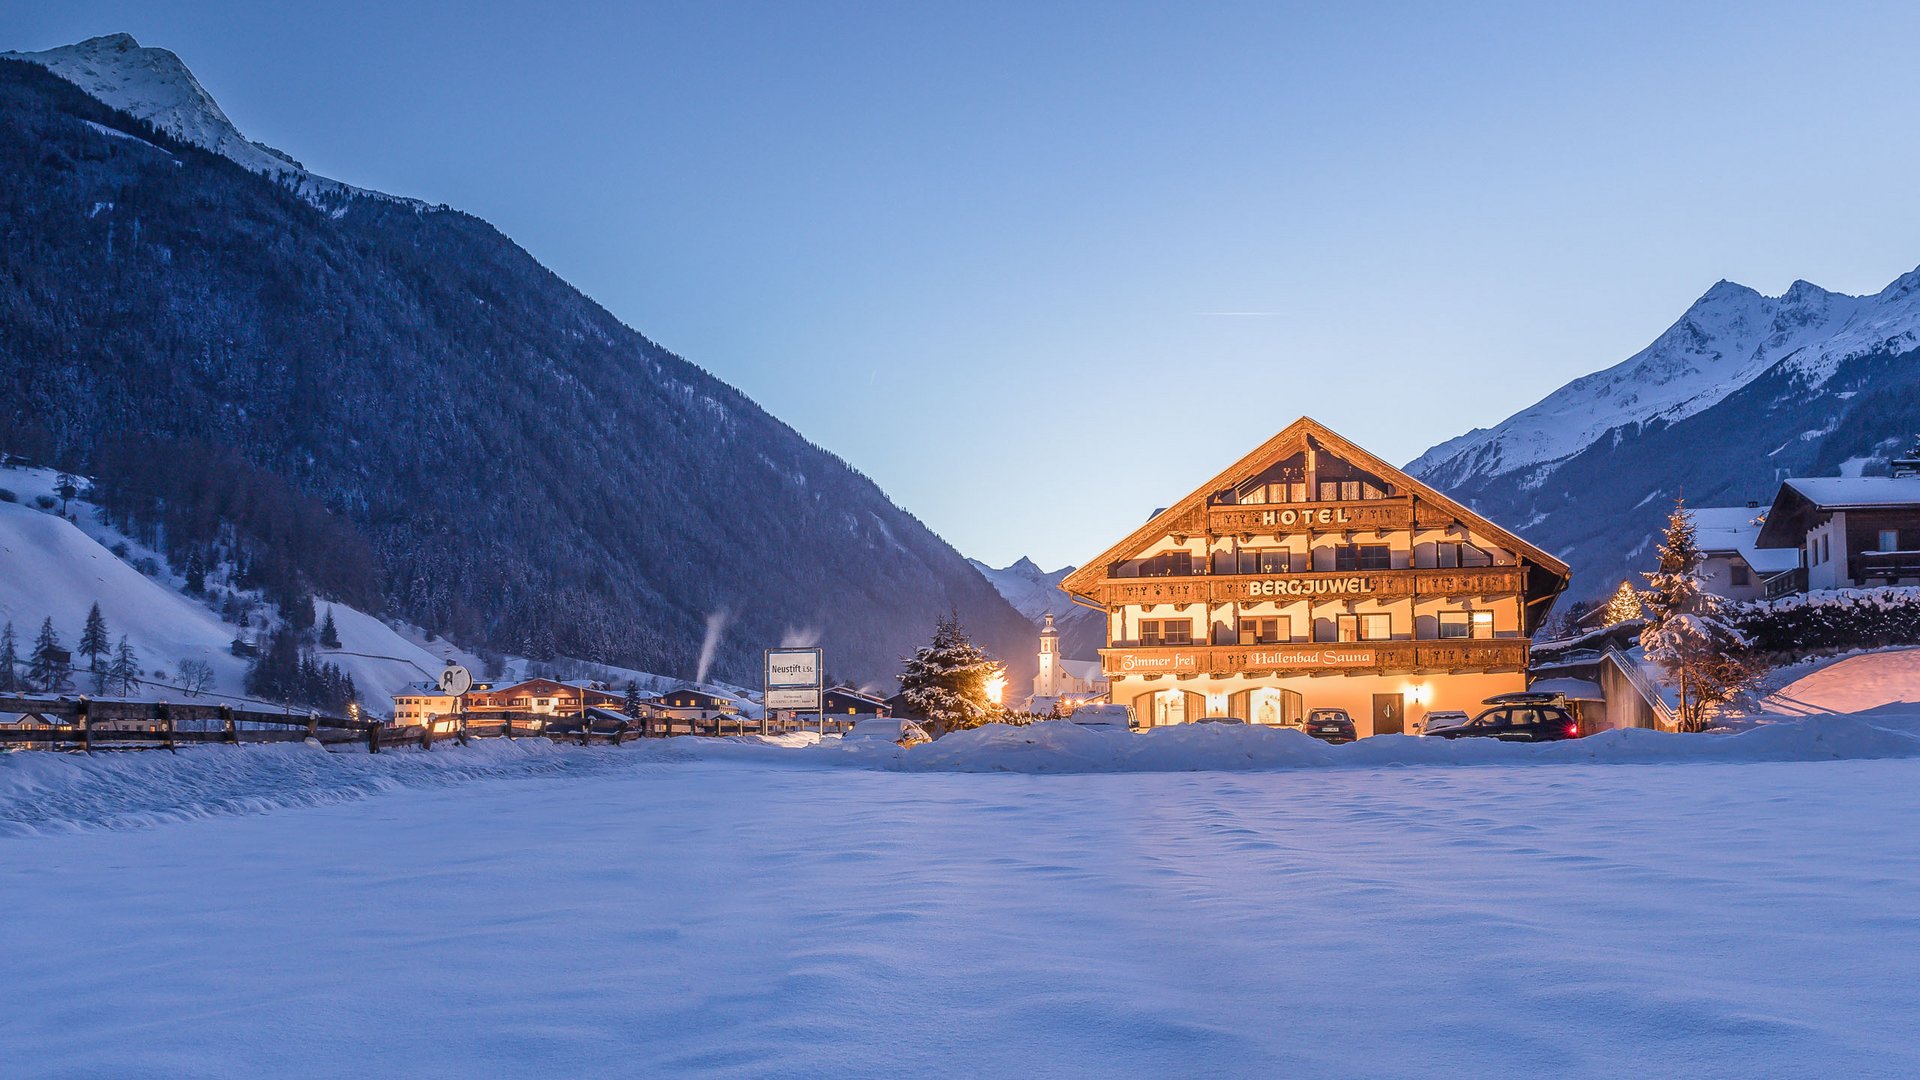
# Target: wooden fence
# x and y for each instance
(79, 723)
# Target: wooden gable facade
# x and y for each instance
(1312, 557)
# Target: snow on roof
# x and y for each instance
(1571, 689)
(1084, 670)
(1736, 529)
(1856, 491)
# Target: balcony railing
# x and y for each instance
(1322, 658)
(1321, 585)
(1787, 583)
(1886, 566)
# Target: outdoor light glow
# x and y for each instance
(996, 686)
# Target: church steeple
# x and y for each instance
(1047, 683)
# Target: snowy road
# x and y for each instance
(745, 919)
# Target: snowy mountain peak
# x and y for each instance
(1727, 338)
(1032, 591)
(154, 85)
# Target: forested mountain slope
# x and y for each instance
(399, 407)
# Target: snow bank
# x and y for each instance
(49, 792)
(1059, 746)
(43, 792)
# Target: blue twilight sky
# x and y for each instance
(1037, 269)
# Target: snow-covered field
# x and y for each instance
(1012, 902)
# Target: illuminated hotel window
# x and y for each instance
(1169, 707)
(1365, 627)
(1466, 624)
(1363, 557)
(1269, 706)
(1265, 560)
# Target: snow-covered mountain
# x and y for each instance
(1741, 390)
(1034, 592)
(1728, 338)
(155, 86)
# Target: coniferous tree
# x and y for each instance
(1703, 655)
(329, 634)
(123, 672)
(196, 573)
(94, 641)
(1623, 605)
(44, 667)
(631, 704)
(951, 681)
(9, 660)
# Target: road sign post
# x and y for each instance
(795, 679)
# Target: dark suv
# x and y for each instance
(1525, 722)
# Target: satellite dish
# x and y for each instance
(456, 680)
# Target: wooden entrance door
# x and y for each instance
(1389, 714)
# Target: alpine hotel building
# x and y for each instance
(1312, 574)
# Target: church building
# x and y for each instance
(1312, 574)
(1061, 679)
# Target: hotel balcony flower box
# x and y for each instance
(1320, 657)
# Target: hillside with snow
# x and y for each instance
(1741, 390)
(59, 567)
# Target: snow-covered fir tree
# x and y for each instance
(9, 659)
(630, 705)
(951, 681)
(1704, 657)
(94, 641)
(329, 634)
(45, 668)
(123, 671)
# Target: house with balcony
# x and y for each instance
(1846, 532)
(1311, 574)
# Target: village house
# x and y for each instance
(1309, 574)
(544, 697)
(846, 701)
(693, 703)
(419, 703)
(1733, 565)
(1846, 532)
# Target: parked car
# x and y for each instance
(1117, 717)
(1330, 725)
(890, 729)
(1439, 719)
(1536, 722)
(1219, 720)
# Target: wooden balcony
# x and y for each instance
(1321, 658)
(1317, 586)
(1884, 567)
